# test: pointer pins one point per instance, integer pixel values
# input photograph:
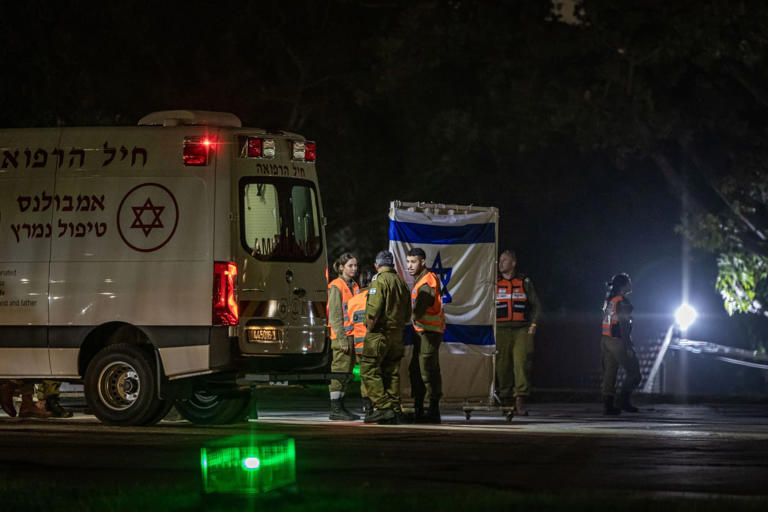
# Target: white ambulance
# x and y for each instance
(158, 264)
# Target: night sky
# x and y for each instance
(559, 123)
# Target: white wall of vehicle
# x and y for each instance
(24, 362)
(184, 360)
(25, 237)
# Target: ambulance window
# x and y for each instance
(305, 219)
(280, 219)
(261, 216)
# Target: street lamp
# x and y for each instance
(685, 316)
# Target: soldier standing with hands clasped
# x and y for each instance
(517, 310)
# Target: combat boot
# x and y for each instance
(433, 412)
(352, 416)
(626, 404)
(418, 410)
(520, 409)
(367, 405)
(380, 416)
(52, 404)
(338, 413)
(403, 418)
(29, 409)
(608, 408)
(6, 398)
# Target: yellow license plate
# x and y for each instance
(265, 335)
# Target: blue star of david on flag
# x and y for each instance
(444, 274)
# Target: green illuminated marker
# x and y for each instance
(251, 463)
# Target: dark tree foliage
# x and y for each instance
(571, 125)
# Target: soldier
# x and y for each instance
(429, 324)
(340, 290)
(48, 393)
(387, 312)
(357, 314)
(616, 346)
(28, 409)
(517, 309)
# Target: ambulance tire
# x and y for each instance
(204, 408)
(121, 385)
(162, 411)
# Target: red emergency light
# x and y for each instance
(257, 147)
(225, 310)
(305, 151)
(197, 150)
(310, 151)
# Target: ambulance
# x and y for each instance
(158, 264)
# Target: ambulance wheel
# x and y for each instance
(162, 412)
(206, 408)
(121, 385)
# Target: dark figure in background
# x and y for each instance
(616, 346)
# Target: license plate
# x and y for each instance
(265, 335)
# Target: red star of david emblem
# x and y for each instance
(139, 212)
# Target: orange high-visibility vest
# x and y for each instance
(341, 284)
(511, 300)
(357, 314)
(433, 318)
(611, 325)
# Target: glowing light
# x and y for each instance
(248, 464)
(251, 463)
(685, 316)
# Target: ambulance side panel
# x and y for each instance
(134, 246)
(28, 162)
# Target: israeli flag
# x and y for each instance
(461, 244)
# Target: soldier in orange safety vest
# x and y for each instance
(429, 324)
(517, 310)
(340, 291)
(616, 346)
(356, 310)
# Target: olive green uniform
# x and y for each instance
(424, 368)
(619, 351)
(341, 363)
(389, 308)
(47, 389)
(514, 349)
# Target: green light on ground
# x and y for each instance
(356, 373)
(251, 463)
(248, 464)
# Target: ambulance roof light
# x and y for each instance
(191, 118)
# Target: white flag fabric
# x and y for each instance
(461, 247)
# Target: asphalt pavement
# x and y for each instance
(564, 455)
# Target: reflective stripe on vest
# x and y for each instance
(511, 300)
(357, 314)
(433, 318)
(611, 325)
(346, 294)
